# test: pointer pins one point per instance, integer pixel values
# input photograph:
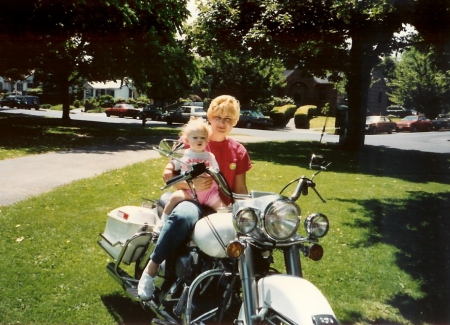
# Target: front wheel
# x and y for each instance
(390, 130)
(248, 125)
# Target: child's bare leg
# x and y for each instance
(218, 204)
(176, 198)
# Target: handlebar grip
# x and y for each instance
(196, 171)
(174, 180)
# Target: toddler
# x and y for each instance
(195, 134)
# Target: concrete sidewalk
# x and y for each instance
(28, 176)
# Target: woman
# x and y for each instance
(234, 162)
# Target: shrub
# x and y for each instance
(131, 101)
(142, 101)
(76, 104)
(303, 114)
(281, 101)
(325, 110)
(120, 100)
(282, 114)
(267, 104)
(106, 101)
(34, 91)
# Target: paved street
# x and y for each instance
(27, 176)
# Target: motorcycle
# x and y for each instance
(224, 274)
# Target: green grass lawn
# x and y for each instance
(387, 254)
(22, 135)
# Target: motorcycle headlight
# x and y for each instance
(245, 220)
(281, 219)
(316, 225)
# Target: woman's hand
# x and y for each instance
(202, 183)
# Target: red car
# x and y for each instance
(414, 123)
(122, 110)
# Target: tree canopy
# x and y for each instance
(418, 83)
(97, 41)
(326, 38)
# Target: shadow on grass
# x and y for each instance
(408, 165)
(125, 311)
(36, 135)
(420, 228)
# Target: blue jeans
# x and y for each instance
(176, 230)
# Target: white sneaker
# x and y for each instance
(146, 287)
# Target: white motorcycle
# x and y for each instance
(224, 274)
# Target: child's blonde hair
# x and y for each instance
(224, 105)
(195, 124)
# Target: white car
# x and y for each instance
(184, 113)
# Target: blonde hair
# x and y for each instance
(195, 124)
(224, 105)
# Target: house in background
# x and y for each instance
(114, 88)
(17, 87)
(377, 100)
(308, 90)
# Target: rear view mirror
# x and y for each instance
(318, 162)
(172, 148)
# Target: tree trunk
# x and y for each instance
(66, 99)
(357, 89)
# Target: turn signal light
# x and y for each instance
(235, 249)
(315, 252)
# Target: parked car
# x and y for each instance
(414, 123)
(399, 111)
(253, 119)
(184, 113)
(150, 112)
(122, 110)
(29, 102)
(11, 101)
(377, 124)
(441, 121)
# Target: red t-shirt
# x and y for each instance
(233, 159)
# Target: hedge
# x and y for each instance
(303, 114)
(282, 114)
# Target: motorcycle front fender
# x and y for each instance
(293, 298)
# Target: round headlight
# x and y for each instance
(316, 225)
(245, 220)
(281, 219)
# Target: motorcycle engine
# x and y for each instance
(185, 264)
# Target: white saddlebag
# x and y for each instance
(123, 223)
